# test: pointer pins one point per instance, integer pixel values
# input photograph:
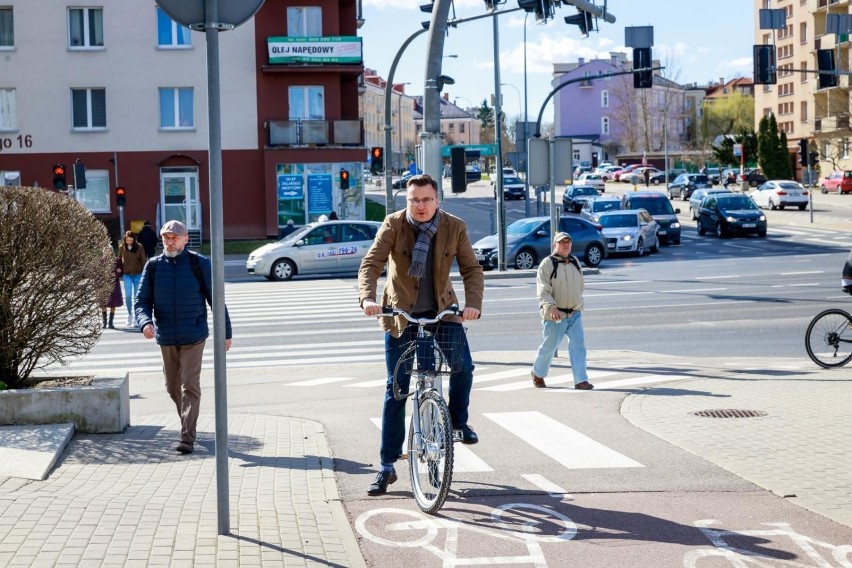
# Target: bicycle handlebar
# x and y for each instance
(391, 311)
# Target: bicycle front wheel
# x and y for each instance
(829, 339)
(430, 459)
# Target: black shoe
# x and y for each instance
(184, 448)
(380, 485)
(584, 386)
(468, 435)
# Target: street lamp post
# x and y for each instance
(399, 120)
(526, 150)
(519, 110)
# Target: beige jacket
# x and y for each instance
(393, 245)
(565, 290)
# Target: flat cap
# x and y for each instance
(174, 227)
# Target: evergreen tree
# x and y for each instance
(785, 169)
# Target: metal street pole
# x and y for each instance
(431, 136)
(498, 139)
(526, 120)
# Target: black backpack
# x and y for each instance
(151, 271)
(572, 259)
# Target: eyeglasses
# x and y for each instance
(424, 201)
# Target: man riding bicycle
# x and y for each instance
(419, 245)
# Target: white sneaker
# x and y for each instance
(129, 322)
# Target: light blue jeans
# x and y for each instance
(131, 286)
(572, 326)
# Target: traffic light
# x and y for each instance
(543, 8)
(582, 19)
(642, 60)
(764, 65)
(803, 151)
(825, 64)
(377, 163)
(79, 175)
(344, 178)
(120, 196)
(814, 156)
(59, 182)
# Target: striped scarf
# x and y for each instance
(425, 232)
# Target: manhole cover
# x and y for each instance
(728, 413)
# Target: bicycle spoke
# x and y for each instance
(431, 460)
(828, 339)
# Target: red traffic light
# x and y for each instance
(120, 196)
(344, 175)
(58, 170)
(377, 152)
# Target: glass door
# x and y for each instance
(179, 196)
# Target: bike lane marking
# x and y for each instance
(561, 443)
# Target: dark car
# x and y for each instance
(513, 187)
(730, 213)
(684, 184)
(402, 182)
(528, 242)
(660, 208)
(575, 197)
(713, 174)
(753, 177)
(660, 177)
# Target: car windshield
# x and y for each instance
(606, 205)
(512, 180)
(613, 221)
(737, 202)
(789, 185)
(298, 234)
(653, 206)
(523, 227)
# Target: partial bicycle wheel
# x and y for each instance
(829, 338)
(430, 459)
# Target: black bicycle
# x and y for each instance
(829, 338)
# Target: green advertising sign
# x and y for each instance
(340, 49)
(483, 149)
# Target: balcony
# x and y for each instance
(832, 4)
(831, 123)
(304, 132)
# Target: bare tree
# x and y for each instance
(53, 279)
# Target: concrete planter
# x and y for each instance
(101, 408)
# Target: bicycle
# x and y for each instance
(829, 338)
(431, 355)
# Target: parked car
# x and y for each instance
(575, 196)
(580, 170)
(472, 174)
(841, 182)
(778, 194)
(594, 207)
(327, 247)
(595, 180)
(660, 208)
(625, 174)
(713, 174)
(528, 242)
(698, 196)
(401, 182)
(633, 231)
(607, 172)
(730, 213)
(684, 184)
(753, 177)
(660, 177)
(513, 187)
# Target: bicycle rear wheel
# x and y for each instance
(430, 462)
(829, 338)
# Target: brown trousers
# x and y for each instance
(182, 368)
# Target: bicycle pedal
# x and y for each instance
(457, 435)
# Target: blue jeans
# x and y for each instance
(572, 326)
(131, 286)
(453, 343)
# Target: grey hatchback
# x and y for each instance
(528, 242)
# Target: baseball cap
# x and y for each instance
(561, 236)
(174, 227)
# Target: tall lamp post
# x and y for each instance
(519, 110)
(526, 150)
(400, 94)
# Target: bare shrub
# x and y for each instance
(52, 280)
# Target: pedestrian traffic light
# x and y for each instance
(803, 151)
(642, 60)
(814, 156)
(827, 69)
(765, 72)
(582, 19)
(79, 175)
(344, 178)
(458, 170)
(377, 163)
(120, 196)
(59, 182)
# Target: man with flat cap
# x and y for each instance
(170, 305)
(559, 287)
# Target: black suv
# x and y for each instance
(660, 208)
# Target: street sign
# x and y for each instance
(539, 161)
(190, 13)
(738, 150)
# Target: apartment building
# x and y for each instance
(123, 89)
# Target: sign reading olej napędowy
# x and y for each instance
(332, 49)
(190, 13)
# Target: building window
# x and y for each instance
(803, 32)
(176, 108)
(687, 103)
(451, 126)
(304, 21)
(844, 144)
(95, 197)
(306, 102)
(8, 112)
(804, 111)
(576, 154)
(88, 109)
(7, 28)
(461, 127)
(605, 99)
(826, 148)
(170, 33)
(85, 27)
(604, 125)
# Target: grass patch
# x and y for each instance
(375, 211)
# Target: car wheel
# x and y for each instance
(693, 213)
(656, 246)
(781, 207)
(594, 255)
(772, 205)
(684, 196)
(283, 269)
(655, 181)
(802, 206)
(720, 231)
(701, 230)
(823, 189)
(671, 196)
(525, 260)
(640, 247)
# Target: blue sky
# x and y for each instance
(698, 40)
